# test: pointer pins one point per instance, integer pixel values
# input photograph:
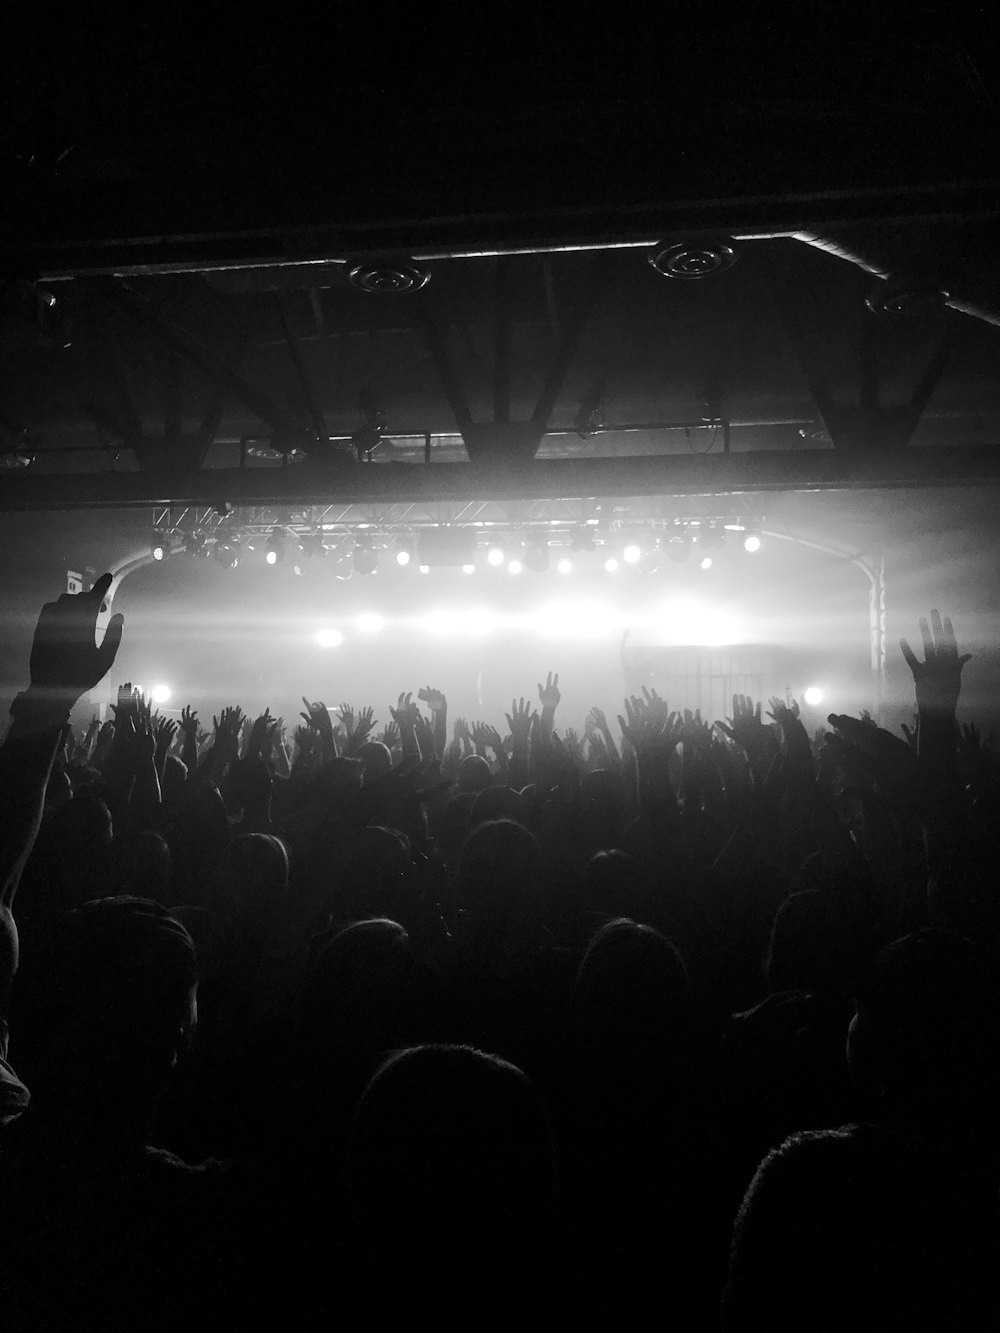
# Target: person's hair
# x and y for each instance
(498, 803)
(497, 869)
(812, 946)
(632, 988)
(474, 774)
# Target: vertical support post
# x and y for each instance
(875, 572)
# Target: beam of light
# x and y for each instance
(683, 622)
(813, 696)
(442, 623)
(495, 556)
(565, 565)
(370, 622)
(479, 621)
(329, 638)
(160, 694)
(576, 619)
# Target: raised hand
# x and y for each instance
(128, 702)
(519, 721)
(227, 728)
(745, 726)
(548, 693)
(405, 713)
(261, 735)
(346, 714)
(189, 724)
(389, 735)
(65, 659)
(937, 679)
(164, 731)
(317, 716)
(364, 724)
(462, 732)
(597, 720)
(912, 734)
(305, 739)
(434, 699)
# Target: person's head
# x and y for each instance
(498, 803)
(474, 774)
(376, 876)
(452, 1148)
(252, 887)
(358, 986)
(250, 782)
(926, 1037)
(144, 866)
(612, 885)
(104, 1015)
(497, 875)
(633, 988)
(376, 758)
(813, 946)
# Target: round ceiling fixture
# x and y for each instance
(906, 298)
(389, 277)
(692, 260)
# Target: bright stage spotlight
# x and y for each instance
(160, 694)
(706, 562)
(813, 696)
(404, 554)
(275, 549)
(565, 565)
(158, 551)
(632, 553)
(370, 622)
(611, 564)
(495, 556)
(515, 566)
(468, 569)
(441, 623)
(329, 638)
(751, 542)
(298, 569)
(424, 569)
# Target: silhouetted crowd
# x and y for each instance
(402, 1023)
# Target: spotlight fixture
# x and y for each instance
(365, 558)
(196, 544)
(275, 549)
(611, 564)
(297, 569)
(160, 694)
(468, 569)
(424, 569)
(565, 565)
(495, 556)
(404, 554)
(227, 553)
(515, 566)
(706, 562)
(751, 542)
(813, 696)
(692, 260)
(632, 553)
(388, 277)
(159, 551)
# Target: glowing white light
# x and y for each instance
(478, 622)
(297, 569)
(160, 694)
(514, 567)
(495, 555)
(370, 622)
(402, 557)
(688, 623)
(706, 562)
(751, 543)
(158, 552)
(271, 557)
(441, 623)
(468, 569)
(611, 565)
(424, 569)
(329, 638)
(813, 696)
(632, 554)
(565, 565)
(584, 619)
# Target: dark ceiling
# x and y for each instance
(188, 217)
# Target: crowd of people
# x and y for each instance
(399, 1021)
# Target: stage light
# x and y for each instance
(365, 558)
(611, 565)
(706, 562)
(442, 623)
(370, 622)
(329, 638)
(813, 696)
(424, 569)
(515, 566)
(297, 569)
(632, 553)
(479, 622)
(227, 553)
(160, 694)
(751, 542)
(495, 556)
(275, 549)
(565, 565)
(158, 552)
(403, 556)
(468, 569)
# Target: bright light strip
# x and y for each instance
(813, 696)
(370, 622)
(160, 694)
(442, 623)
(683, 622)
(329, 638)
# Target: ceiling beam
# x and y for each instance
(671, 474)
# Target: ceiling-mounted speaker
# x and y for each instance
(389, 277)
(692, 260)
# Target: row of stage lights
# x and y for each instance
(364, 554)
